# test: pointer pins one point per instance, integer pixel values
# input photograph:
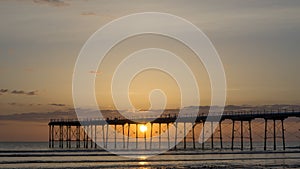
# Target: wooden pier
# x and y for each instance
(68, 133)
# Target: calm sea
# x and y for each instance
(37, 155)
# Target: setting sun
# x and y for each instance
(143, 128)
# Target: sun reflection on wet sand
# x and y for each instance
(143, 163)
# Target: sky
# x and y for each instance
(258, 43)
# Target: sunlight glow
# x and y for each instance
(143, 128)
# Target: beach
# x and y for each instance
(37, 155)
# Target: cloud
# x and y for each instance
(54, 3)
(32, 93)
(57, 114)
(17, 92)
(22, 92)
(88, 14)
(24, 104)
(39, 117)
(55, 104)
(3, 91)
(71, 114)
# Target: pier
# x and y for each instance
(72, 133)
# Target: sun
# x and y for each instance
(143, 128)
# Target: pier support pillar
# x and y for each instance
(203, 134)
(107, 127)
(103, 135)
(212, 134)
(145, 138)
(95, 136)
(50, 136)
(67, 136)
(232, 135)
(265, 138)
(123, 132)
(91, 137)
(242, 136)
(274, 134)
(115, 136)
(128, 134)
(193, 133)
(70, 136)
(184, 134)
(176, 128)
(250, 134)
(221, 138)
(151, 135)
(283, 138)
(77, 136)
(136, 135)
(61, 136)
(168, 136)
(53, 133)
(86, 137)
(159, 137)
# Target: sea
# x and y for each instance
(38, 155)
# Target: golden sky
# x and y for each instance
(258, 43)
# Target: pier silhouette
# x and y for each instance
(64, 132)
